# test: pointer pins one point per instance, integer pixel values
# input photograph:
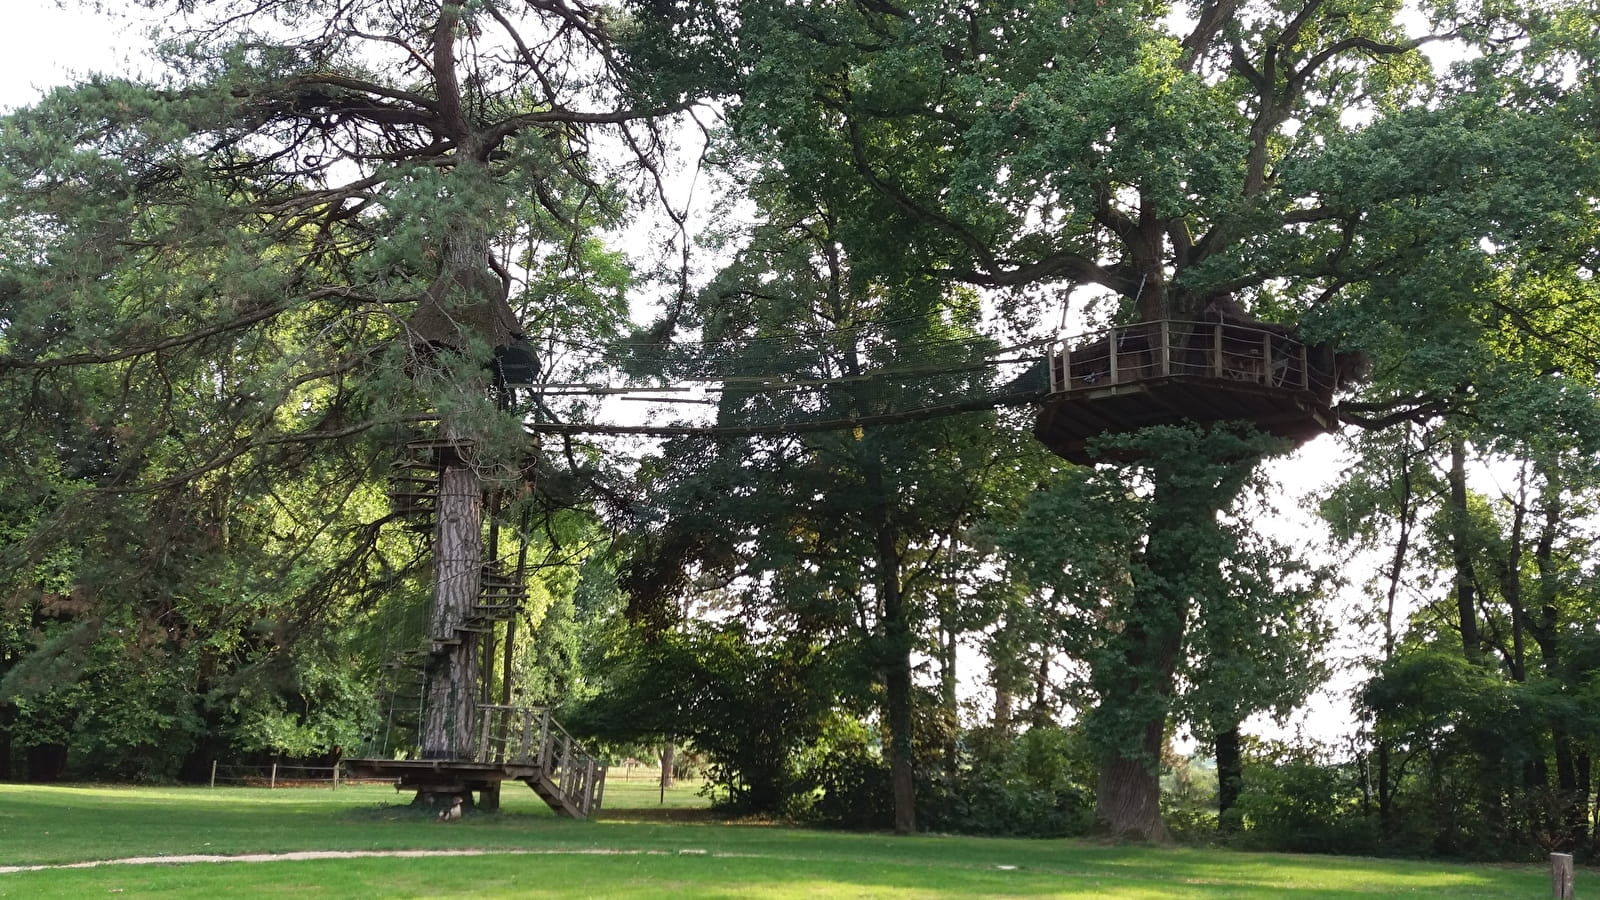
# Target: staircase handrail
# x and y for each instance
(574, 772)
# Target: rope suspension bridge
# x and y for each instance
(1121, 379)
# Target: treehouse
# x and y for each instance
(1167, 372)
(443, 735)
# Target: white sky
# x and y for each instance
(44, 44)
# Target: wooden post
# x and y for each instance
(336, 775)
(589, 788)
(486, 694)
(274, 782)
(1166, 348)
(1266, 359)
(524, 751)
(1305, 368)
(1216, 354)
(1111, 349)
(544, 739)
(1561, 876)
(485, 714)
(510, 646)
(213, 773)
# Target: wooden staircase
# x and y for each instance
(511, 743)
(566, 776)
(515, 743)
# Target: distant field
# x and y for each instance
(634, 850)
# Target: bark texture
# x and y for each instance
(1230, 776)
(1127, 798)
(897, 679)
(458, 563)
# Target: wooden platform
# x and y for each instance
(513, 744)
(1170, 372)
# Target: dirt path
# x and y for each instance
(301, 855)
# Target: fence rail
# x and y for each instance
(276, 775)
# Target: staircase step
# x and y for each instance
(405, 463)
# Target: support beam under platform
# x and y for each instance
(573, 793)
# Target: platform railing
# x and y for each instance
(528, 735)
(1163, 348)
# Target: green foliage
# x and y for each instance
(320, 706)
(1295, 799)
(1251, 600)
(851, 778)
(228, 293)
(1476, 746)
(751, 707)
(1035, 784)
(115, 712)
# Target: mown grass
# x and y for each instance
(628, 854)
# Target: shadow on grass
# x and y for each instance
(703, 815)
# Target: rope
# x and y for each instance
(915, 414)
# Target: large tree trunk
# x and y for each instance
(897, 684)
(1128, 790)
(1230, 775)
(1135, 675)
(1127, 794)
(1004, 651)
(458, 562)
(1461, 551)
(465, 305)
(897, 679)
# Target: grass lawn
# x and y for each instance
(636, 849)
